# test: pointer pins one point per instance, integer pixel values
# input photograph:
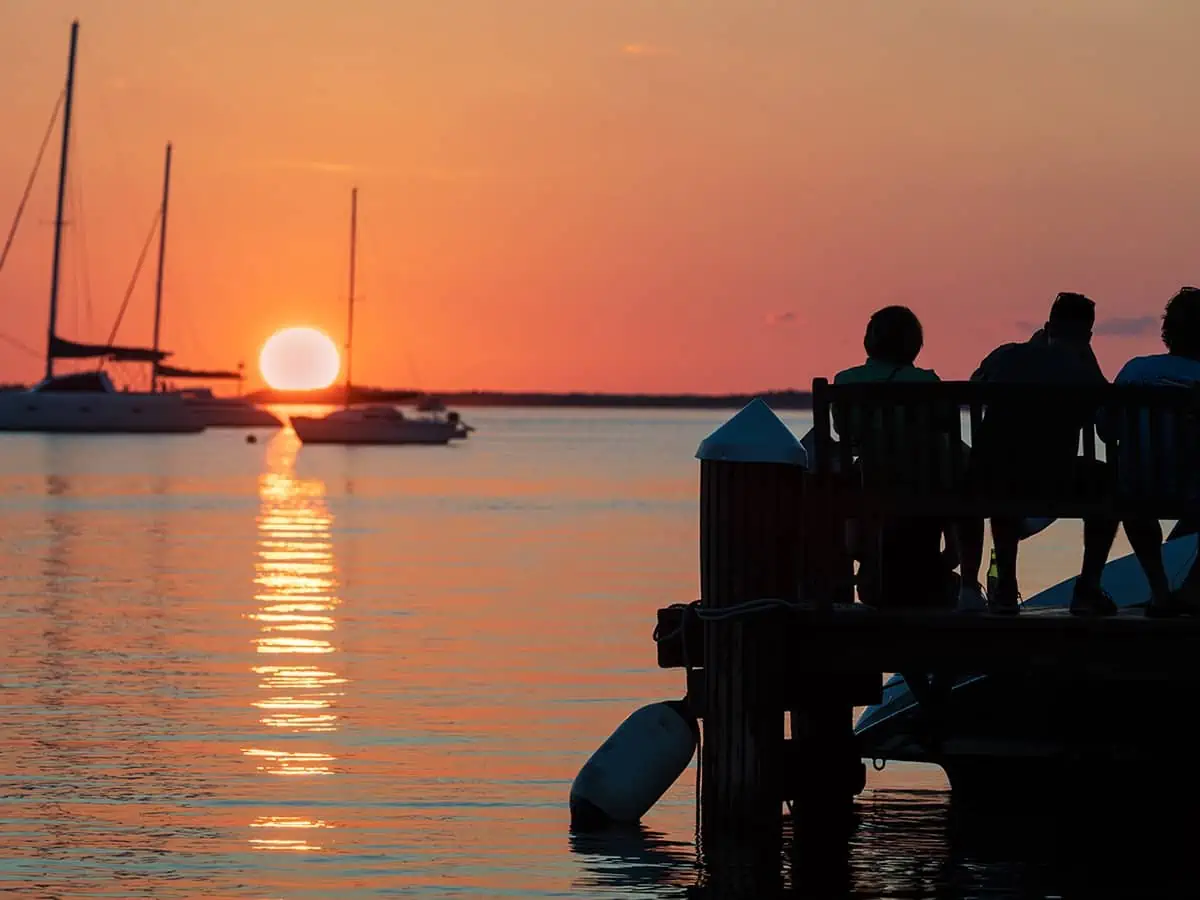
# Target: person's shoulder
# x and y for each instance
(998, 357)
(919, 374)
(1010, 348)
(1159, 367)
(1136, 368)
(849, 376)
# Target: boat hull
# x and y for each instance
(100, 413)
(218, 415)
(407, 431)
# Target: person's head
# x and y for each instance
(1181, 323)
(1071, 319)
(894, 336)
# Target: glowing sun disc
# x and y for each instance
(299, 359)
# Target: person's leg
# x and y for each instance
(1098, 536)
(1006, 535)
(970, 550)
(1089, 598)
(1146, 537)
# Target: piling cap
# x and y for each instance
(754, 435)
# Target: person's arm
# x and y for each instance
(1105, 427)
(839, 423)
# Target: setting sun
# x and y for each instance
(299, 359)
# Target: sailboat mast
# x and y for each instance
(162, 255)
(350, 317)
(62, 197)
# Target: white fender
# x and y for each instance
(635, 766)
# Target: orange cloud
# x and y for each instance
(646, 50)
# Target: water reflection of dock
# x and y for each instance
(296, 595)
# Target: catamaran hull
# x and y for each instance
(77, 413)
(409, 431)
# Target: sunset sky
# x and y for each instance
(657, 195)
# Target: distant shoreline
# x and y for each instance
(781, 400)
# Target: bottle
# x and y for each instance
(993, 575)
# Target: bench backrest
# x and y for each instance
(910, 450)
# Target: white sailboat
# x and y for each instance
(216, 412)
(88, 402)
(375, 423)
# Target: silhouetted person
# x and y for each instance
(907, 552)
(1032, 444)
(1179, 367)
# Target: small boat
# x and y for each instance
(376, 423)
(87, 402)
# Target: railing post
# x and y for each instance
(751, 480)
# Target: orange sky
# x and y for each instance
(654, 195)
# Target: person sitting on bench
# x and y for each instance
(1032, 444)
(1179, 367)
(903, 564)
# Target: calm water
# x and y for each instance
(268, 671)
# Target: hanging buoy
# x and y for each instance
(635, 766)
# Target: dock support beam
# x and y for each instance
(751, 480)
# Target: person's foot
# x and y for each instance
(970, 598)
(1180, 602)
(1091, 600)
(1007, 599)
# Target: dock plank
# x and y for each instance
(856, 639)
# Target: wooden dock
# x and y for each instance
(772, 638)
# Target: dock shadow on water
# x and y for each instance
(910, 844)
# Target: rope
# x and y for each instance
(37, 163)
(136, 271)
(24, 348)
(84, 273)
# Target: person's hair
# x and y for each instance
(894, 336)
(1071, 316)
(1181, 323)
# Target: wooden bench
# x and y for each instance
(895, 476)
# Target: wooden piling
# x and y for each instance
(751, 482)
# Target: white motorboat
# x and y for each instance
(377, 423)
(1014, 734)
(87, 402)
(380, 424)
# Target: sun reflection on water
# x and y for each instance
(285, 843)
(296, 592)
